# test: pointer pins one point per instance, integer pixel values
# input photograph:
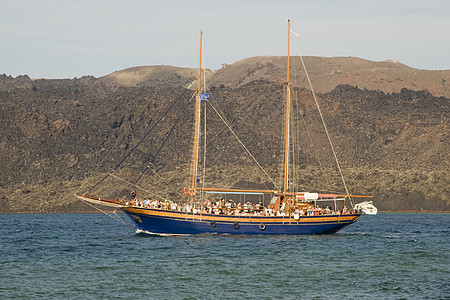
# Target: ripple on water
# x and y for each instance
(91, 256)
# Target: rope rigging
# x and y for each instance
(307, 130)
(162, 144)
(113, 216)
(221, 116)
(241, 143)
(153, 194)
(324, 125)
(132, 124)
(137, 145)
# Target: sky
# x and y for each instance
(67, 39)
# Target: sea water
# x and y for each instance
(92, 256)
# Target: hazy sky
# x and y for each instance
(66, 39)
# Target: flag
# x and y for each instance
(204, 96)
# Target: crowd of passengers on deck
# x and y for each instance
(222, 207)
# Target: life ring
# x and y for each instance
(212, 224)
(296, 217)
(192, 192)
(236, 225)
(262, 226)
(290, 201)
(195, 211)
(186, 190)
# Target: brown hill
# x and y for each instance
(325, 72)
(151, 76)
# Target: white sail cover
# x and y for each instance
(311, 196)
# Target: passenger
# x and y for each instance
(220, 207)
(231, 203)
(228, 207)
(238, 210)
(246, 208)
(216, 209)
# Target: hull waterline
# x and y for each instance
(163, 222)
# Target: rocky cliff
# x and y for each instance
(60, 136)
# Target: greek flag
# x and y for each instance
(204, 96)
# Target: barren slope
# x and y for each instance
(325, 72)
(57, 133)
(151, 75)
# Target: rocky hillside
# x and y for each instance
(59, 136)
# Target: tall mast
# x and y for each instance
(287, 113)
(197, 119)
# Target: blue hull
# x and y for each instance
(182, 223)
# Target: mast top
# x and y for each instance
(288, 52)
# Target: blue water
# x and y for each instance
(92, 256)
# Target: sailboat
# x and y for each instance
(289, 212)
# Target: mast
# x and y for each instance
(287, 112)
(197, 119)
